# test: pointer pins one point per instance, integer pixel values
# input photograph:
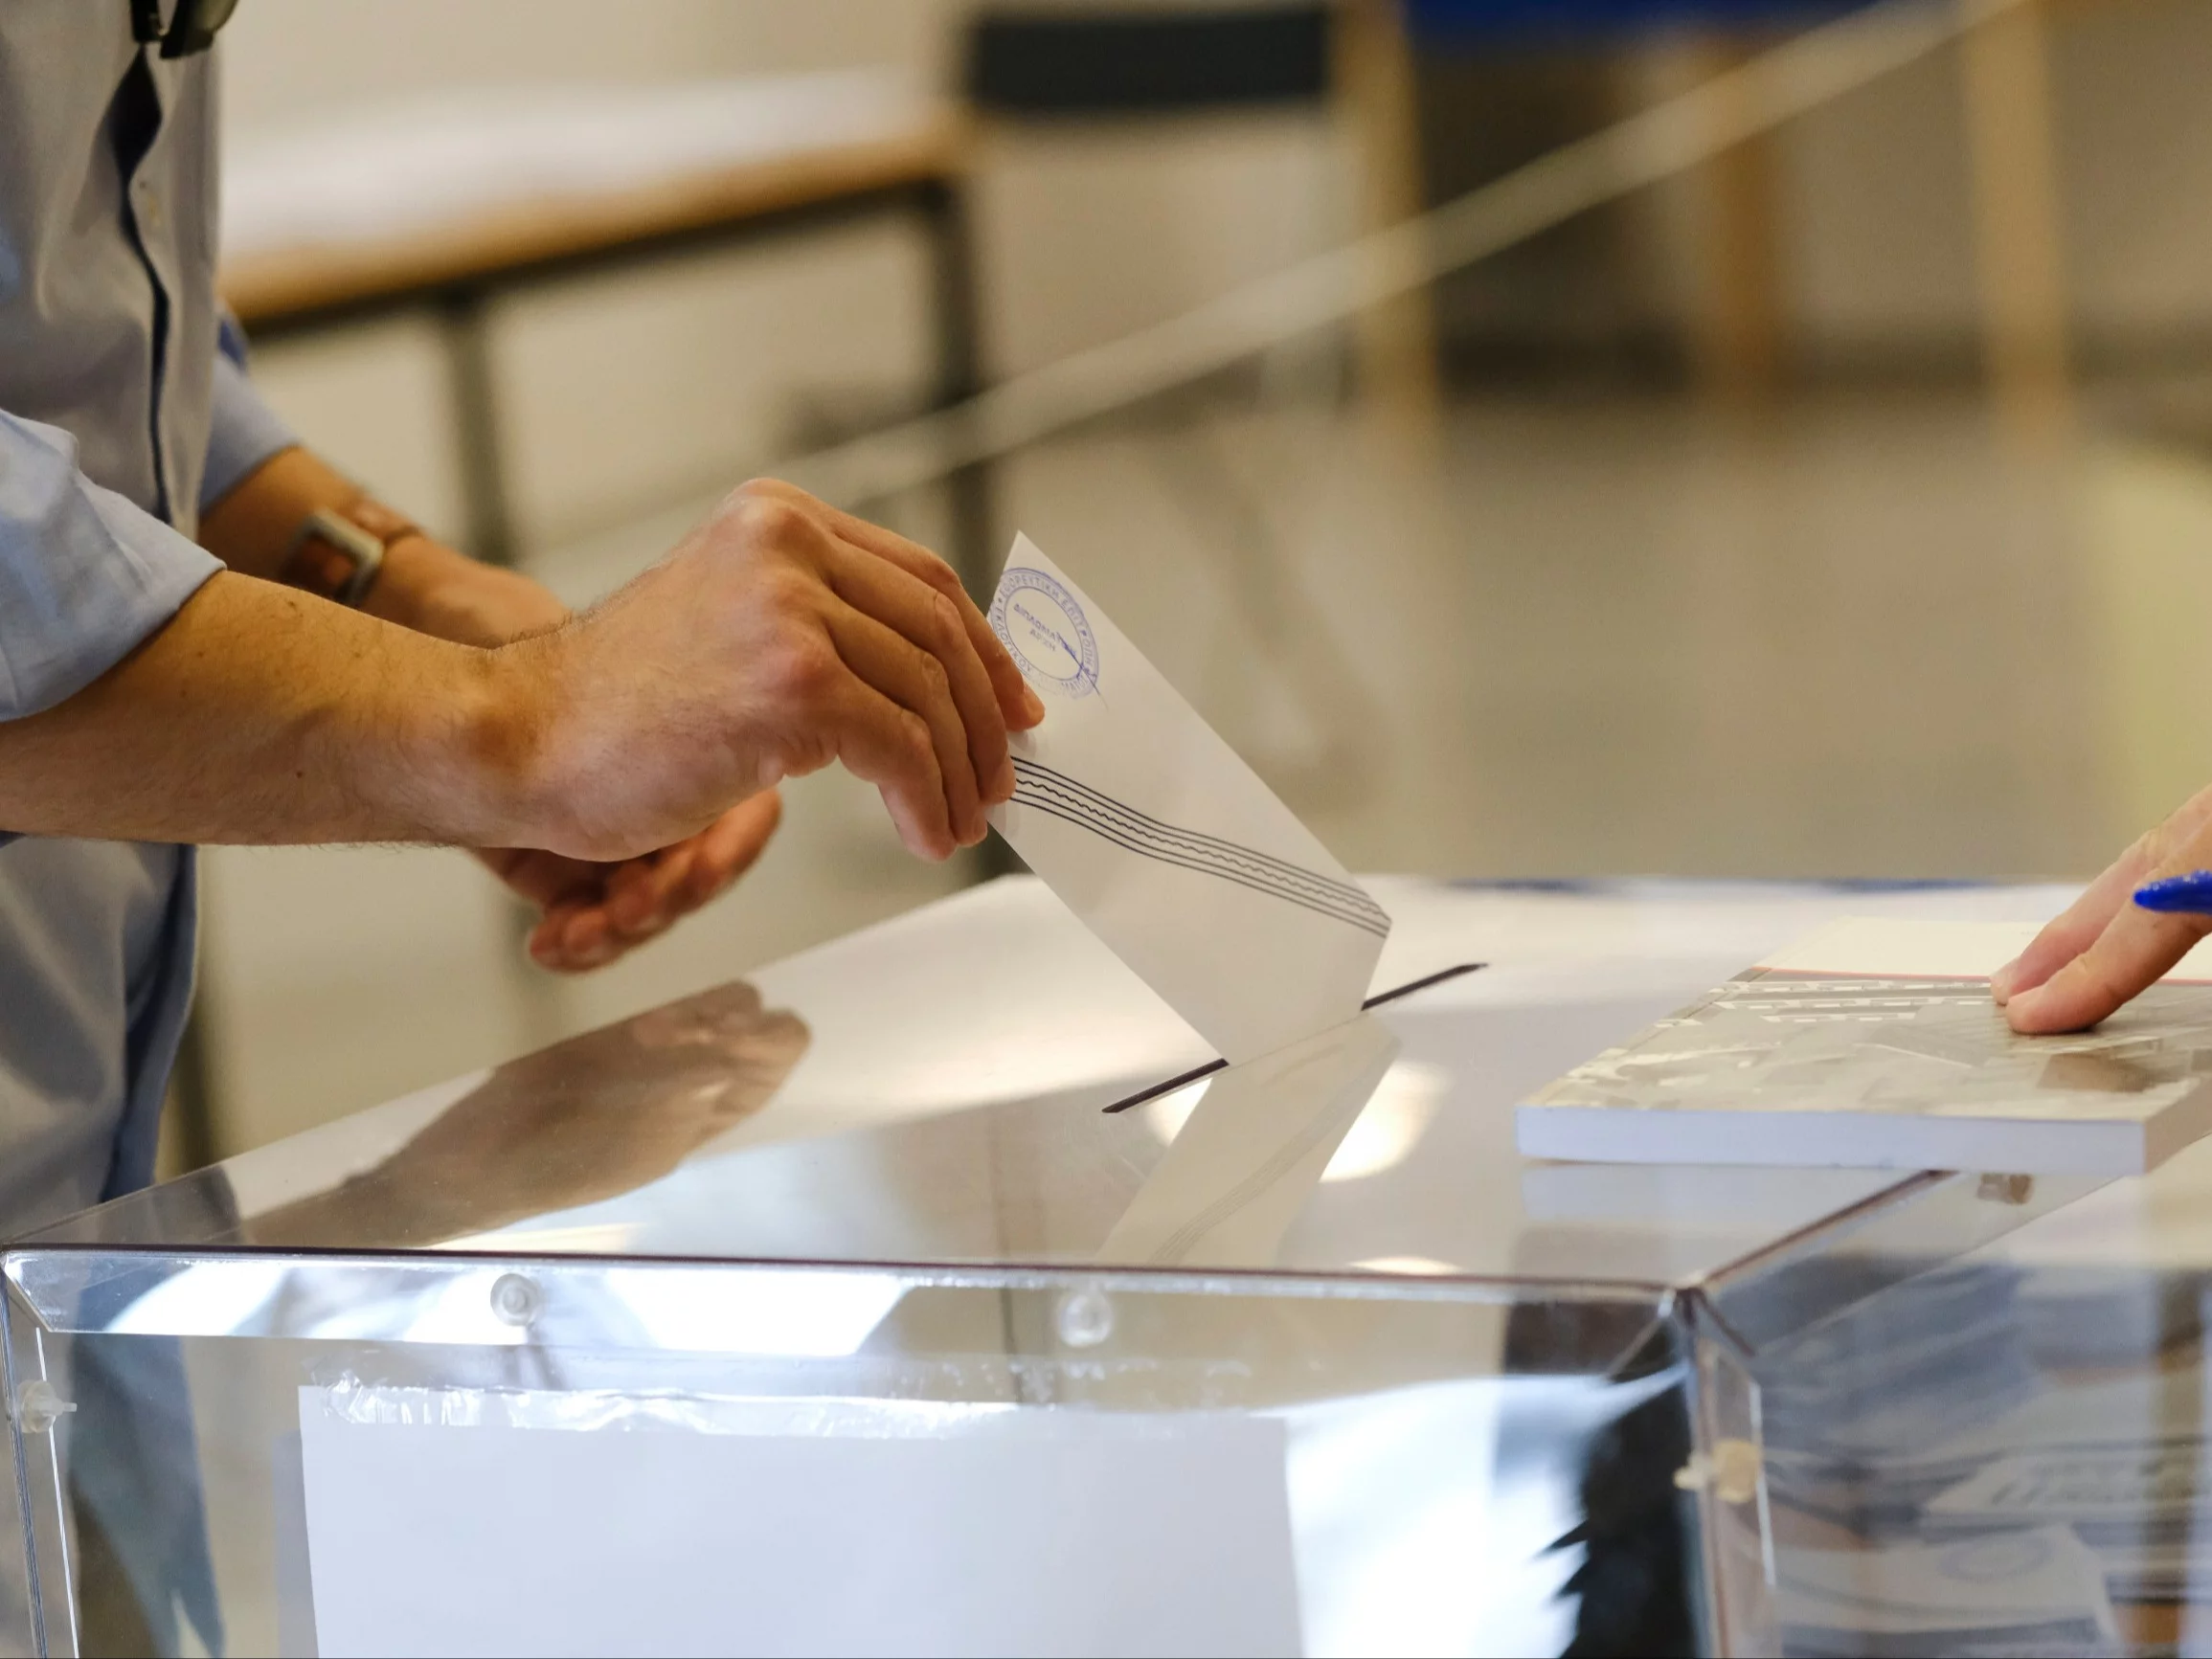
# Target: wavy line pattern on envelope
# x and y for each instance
(1058, 795)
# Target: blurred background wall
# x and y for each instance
(1608, 623)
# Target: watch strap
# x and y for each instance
(337, 554)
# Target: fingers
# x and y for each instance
(2171, 848)
(650, 896)
(642, 895)
(600, 912)
(545, 879)
(2075, 930)
(2134, 950)
(924, 615)
(732, 844)
(898, 672)
(1020, 706)
(891, 747)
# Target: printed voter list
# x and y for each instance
(1153, 831)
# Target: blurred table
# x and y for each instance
(446, 204)
(2013, 141)
(856, 1240)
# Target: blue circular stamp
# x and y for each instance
(1040, 623)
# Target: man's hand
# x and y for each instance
(593, 913)
(596, 912)
(2106, 950)
(781, 636)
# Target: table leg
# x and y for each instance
(960, 375)
(489, 526)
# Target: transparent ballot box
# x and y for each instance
(835, 1312)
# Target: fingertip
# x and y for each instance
(1032, 707)
(925, 838)
(585, 934)
(2030, 1014)
(2001, 983)
(709, 877)
(629, 910)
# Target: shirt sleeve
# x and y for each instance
(243, 431)
(85, 574)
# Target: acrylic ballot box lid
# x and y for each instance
(932, 1092)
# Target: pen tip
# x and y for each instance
(2188, 894)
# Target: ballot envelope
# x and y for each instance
(837, 1311)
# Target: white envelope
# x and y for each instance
(1136, 813)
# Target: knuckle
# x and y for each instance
(802, 753)
(914, 733)
(786, 592)
(936, 682)
(801, 668)
(947, 632)
(768, 489)
(760, 516)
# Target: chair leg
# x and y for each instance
(489, 535)
(1396, 339)
(2005, 66)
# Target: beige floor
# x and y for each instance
(1853, 638)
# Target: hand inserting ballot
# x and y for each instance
(2106, 948)
(779, 638)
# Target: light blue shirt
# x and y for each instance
(123, 411)
(121, 414)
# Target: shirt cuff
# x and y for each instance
(85, 576)
(242, 431)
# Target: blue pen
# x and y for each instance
(2179, 895)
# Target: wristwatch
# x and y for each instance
(338, 553)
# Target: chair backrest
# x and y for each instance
(1445, 22)
(1102, 59)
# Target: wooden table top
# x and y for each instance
(285, 284)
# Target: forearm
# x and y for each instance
(259, 715)
(252, 530)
